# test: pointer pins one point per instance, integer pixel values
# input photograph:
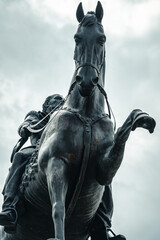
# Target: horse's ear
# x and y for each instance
(80, 13)
(99, 11)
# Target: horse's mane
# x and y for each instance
(89, 19)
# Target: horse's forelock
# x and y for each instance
(89, 19)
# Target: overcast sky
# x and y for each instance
(36, 60)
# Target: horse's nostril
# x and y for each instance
(95, 80)
(78, 79)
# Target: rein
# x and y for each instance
(32, 126)
(101, 89)
(110, 112)
(32, 129)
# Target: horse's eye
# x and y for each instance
(77, 39)
(102, 40)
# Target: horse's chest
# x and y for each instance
(68, 138)
(71, 137)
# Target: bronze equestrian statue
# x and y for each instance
(79, 153)
(101, 226)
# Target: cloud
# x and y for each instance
(134, 18)
(133, 72)
(36, 61)
(32, 48)
(136, 193)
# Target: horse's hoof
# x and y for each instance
(145, 121)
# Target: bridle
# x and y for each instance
(101, 89)
(89, 65)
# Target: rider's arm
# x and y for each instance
(31, 118)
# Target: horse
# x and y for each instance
(79, 150)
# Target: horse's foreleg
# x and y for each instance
(111, 162)
(57, 179)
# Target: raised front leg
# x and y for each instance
(111, 162)
(57, 179)
(137, 118)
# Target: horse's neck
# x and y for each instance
(87, 106)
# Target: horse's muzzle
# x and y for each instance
(86, 79)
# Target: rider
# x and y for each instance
(8, 217)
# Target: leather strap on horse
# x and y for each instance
(87, 123)
(87, 142)
(110, 112)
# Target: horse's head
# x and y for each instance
(89, 50)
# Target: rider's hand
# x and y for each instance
(24, 133)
